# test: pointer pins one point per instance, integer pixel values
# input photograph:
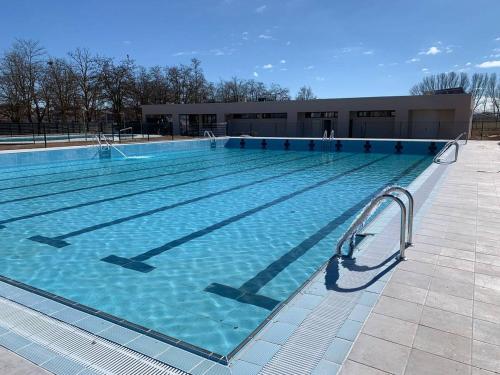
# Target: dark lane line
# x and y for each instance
(248, 291)
(103, 164)
(120, 182)
(161, 166)
(59, 242)
(137, 263)
(123, 196)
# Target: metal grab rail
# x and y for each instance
(213, 139)
(406, 219)
(447, 146)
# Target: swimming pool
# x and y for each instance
(200, 245)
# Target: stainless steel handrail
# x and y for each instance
(406, 219)
(125, 129)
(437, 158)
(213, 140)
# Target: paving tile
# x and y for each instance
(422, 363)
(460, 264)
(373, 352)
(454, 274)
(396, 308)
(487, 258)
(411, 278)
(486, 356)
(405, 292)
(487, 311)
(148, 345)
(359, 313)
(417, 267)
(487, 295)
(488, 281)
(487, 269)
(390, 329)
(12, 364)
(487, 332)
(278, 332)
(354, 368)
(293, 315)
(349, 330)
(245, 368)
(181, 359)
(459, 254)
(421, 256)
(444, 344)
(337, 351)
(259, 352)
(326, 368)
(447, 321)
(480, 371)
(451, 287)
(450, 303)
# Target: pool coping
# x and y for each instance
(223, 360)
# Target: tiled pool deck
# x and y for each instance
(438, 312)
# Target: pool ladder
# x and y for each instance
(104, 147)
(454, 142)
(327, 140)
(406, 223)
(211, 136)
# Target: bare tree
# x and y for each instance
(117, 83)
(305, 93)
(63, 84)
(86, 71)
(493, 93)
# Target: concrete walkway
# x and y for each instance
(440, 311)
(12, 364)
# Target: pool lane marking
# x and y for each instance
(248, 292)
(121, 182)
(160, 188)
(165, 164)
(136, 263)
(89, 162)
(59, 240)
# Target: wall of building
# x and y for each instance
(411, 114)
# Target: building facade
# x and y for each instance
(418, 117)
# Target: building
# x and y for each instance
(422, 117)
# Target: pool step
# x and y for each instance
(62, 348)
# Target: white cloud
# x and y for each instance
(468, 64)
(370, 52)
(183, 53)
(282, 61)
(127, 42)
(425, 70)
(381, 64)
(261, 8)
(288, 43)
(448, 49)
(267, 66)
(255, 74)
(265, 36)
(244, 35)
(319, 78)
(413, 60)
(309, 67)
(489, 64)
(284, 69)
(497, 39)
(431, 51)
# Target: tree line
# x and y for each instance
(484, 88)
(82, 86)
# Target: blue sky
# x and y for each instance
(345, 48)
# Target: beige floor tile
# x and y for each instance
(444, 344)
(396, 308)
(450, 303)
(423, 363)
(354, 368)
(447, 321)
(390, 329)
(486, 356)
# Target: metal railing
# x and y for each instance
(121, 133)
(454, 142)
(211, 136)
(406, 223)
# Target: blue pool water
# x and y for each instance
(199, 245)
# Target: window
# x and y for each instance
(209, 119)
(274, 115)
(376, 114)
(321, 114)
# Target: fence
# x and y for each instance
(486, 129)
(33, 133)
